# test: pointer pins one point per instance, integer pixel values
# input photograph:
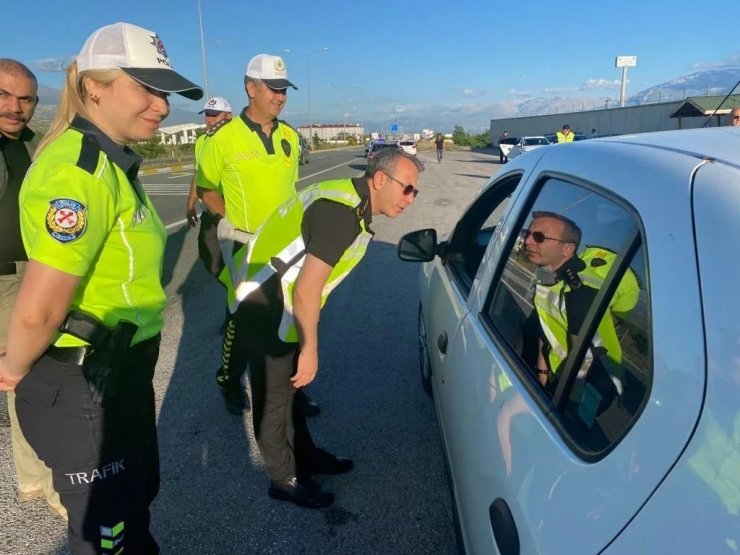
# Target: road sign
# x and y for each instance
(394, 127)
(626, 61)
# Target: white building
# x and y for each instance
(180, 134)
(333, 132)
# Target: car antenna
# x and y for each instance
(720, 104)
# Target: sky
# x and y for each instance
(419, 64)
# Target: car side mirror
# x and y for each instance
(418, 246)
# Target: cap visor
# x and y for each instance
(278, 83)
(165, 80)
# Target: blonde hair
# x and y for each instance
(72, 100)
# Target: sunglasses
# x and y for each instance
(735, 117)
(407, 189)
(538, 236)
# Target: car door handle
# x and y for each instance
(442, 342)
(504, 528)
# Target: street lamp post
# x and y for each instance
(203, 50)
(308, 90)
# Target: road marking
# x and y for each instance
(326, 170)
(185, 221)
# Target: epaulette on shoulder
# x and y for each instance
(89, 153)
(212, 130)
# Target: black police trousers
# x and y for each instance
(94, 426)
(279, 422)
(209, 249)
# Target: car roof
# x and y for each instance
(717, 143)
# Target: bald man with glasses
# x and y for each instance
(566, 286)
(735, 117)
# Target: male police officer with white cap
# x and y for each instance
(253, 161)
(217, 112)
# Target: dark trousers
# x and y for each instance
(209, 249)
(99, 438)
(279, 423)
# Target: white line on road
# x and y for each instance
(185, 221)
(326, 170)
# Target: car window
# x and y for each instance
(468, 242)
(572, 309)
(535, 141)
(407, 143)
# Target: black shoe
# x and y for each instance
(324, 462)
(309, 407)
(235, 398)
(304, 494)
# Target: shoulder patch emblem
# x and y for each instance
(66, 219)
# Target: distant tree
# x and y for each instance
(149, 149)
(459, 136)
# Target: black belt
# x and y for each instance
(76, 355)
(70, 355)
(8, 269)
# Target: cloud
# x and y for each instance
(559, 90)
(733, 60)
(516, 92)
(53, 65)
(601, 84)
(474, 93)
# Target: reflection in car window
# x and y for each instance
(566, 251)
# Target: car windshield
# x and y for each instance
(378, 146)
(407, 143)
(534, 141)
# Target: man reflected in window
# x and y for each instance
(566, 285)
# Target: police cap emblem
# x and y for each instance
(66, 219)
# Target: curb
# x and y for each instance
(166, 169)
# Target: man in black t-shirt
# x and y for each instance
(18, 101)
(312, 240)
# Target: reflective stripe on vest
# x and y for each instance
(285, 222)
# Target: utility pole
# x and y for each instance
(203, 51)
(624, 62)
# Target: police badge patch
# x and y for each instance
(66, 219)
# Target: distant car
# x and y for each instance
(303, 154)
(408, 146)
(377, 147)
(579, 465)
(368, 146)
(525, 144)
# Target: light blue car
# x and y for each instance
(579, 331)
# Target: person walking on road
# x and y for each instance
(18, 100)
(502, 158)
(439, 144)
(565, 135)
(217, 112)
(300, 254)
(83, 338)
(247, 169)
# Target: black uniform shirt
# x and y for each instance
(18, 161)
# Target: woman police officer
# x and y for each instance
(84, 336)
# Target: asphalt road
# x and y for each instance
(213, 492)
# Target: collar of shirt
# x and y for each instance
(25, 136)
(256, 127)
(360, 184)
(123, 157)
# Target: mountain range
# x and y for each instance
(700, 83)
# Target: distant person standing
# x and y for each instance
(502, 158)
(439, 144)
(217, 112)
(735, 117)
(565, 136)
(18, 101)
(594, 134)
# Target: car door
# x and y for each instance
(563, 471)
(448, 281)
